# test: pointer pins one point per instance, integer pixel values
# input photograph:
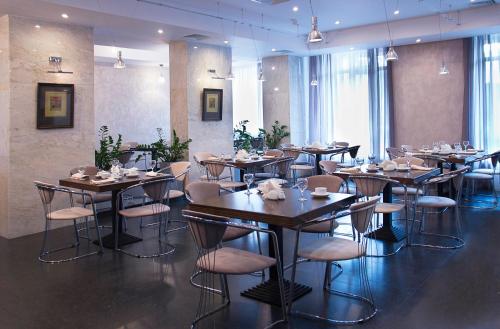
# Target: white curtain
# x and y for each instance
(247, 97)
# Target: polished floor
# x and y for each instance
(417, 288)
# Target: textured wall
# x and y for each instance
(427, 106)
(45, 155)
(4, 122)
(132, 101)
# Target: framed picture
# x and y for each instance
(55, 106)
(212, 105)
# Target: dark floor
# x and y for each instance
(417, 288)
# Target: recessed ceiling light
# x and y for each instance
(352, 48)
(274, 49)
(226, 41)
(195, 47)
(295, 8)
(37, 26)
(276, 89)
(337, 22)
(64, 15)
(273, 68)
(418, 40)
(160, 31)
(396, 12)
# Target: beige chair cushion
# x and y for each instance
(477, 176)
(388, 208)
(173, 194)
(70, 213)
(301, 167)
(331, 249)
(231, 184)
(409, 191)
(143, 211)
(486, 171)
(233, 233)
(234, 261)
(435, 202)
(98, 198)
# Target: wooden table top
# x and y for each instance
(247, 163)
(311, 150)
(452, 158)
(285, 213)
(125, 182)
(411, 177)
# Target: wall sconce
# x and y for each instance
(55, 62)
(215, 76)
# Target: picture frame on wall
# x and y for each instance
(55, 105)
(212, 105)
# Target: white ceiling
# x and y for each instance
(133, 23)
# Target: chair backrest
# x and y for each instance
(214, 168)
(332, 183)
(370, 185)
(125, 157)
(430, 160)
(341, 144)
(413, 161)
(274, 152)
(157, 189)
(202, 156)
(455, 176)
(353, 151)
(292, 153)
(361, 214)
(207, 230)
(89, 170)
(46, 191)
(328, 166)
(393, 152)
(180, 170)
(198, 191)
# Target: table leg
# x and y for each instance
(318, 168)
(387, 232)
(268, 291)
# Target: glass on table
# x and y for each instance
(457, 147)
(302, 186)
(466, 145)
(360, 161)
(248, 179)
(425, 147)
(371, 158)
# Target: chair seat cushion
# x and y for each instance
(388, 208)
(487, 171)
(173, 194)
(323, 227)
(301, 167)
(143, 211)
(477, 176)
(332, 249)
(98, 198)
(234, 261)
(70, 213)
(231, 184)
(233, 233)
(435, 202)
(409, 191)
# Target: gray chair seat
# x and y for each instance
(487, 171)
(388, 208)
(477, 176)
(435, 202)
(70, 213)
(173, 194)
(143, 211)
(409, 191)
(233, 233)
(331, 249)
(234, 261)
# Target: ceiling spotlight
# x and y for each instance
(276, 89)
(396, 12)
(315, 35)
(273, 50)
(226, 41)
(352, 48)
(273, 68)
(195, 47)
(337, 22)
(119, 64)
(37, 27)
(295, 8)
(64, 15)
(160, 31)
(418, 40)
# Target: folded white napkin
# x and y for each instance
(415, 167)
(79, 176)
(388, 165)
(241, 154)
(271, 190)
(103, 181)
(445, 147)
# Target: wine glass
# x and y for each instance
(466, 145)
(371, 158)
(302, 185)
(248, 179)
(360, 161)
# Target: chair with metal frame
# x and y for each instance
(335, 249)
(215, 169)
(156, 190)
(481, 175)
(47, 193)
(214, 259)
(277, 170)
(198, 158)
(427, 201)
(275, 153)
(414, 161)
(299, 167)
(393, 152)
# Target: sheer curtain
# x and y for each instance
(484, 92)
(247, 97)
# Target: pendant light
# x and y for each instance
(260, 71)
(315, 35)
(443, 70)
(119, 64)
(161, 78)
(391, 54)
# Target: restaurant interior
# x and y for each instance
(249, 164)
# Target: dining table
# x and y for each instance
(277, 214)
(114, 187)
(389, 232)
(245, 165)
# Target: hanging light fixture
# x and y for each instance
(161, 78)
(119, 64)
(443, 70)
(230, 75)
(391, 54)
(315, 35)
(260, 71)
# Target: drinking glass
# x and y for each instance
(466, 145)
(425, 147)
(435, 146)
(265, 149)
(302, 185)
(371, 158)
(360, 161)
(248, 179)
(457, 147)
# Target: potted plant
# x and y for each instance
(273, 138)
(163, 152)
(108, 149)
(242, 139)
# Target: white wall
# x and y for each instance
(131, 101)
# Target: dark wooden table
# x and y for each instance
(246, 165)
(286, 213)
(389, 232)
(108, 241)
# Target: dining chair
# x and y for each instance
(214, 171)
(328, 167)
(393, 152)
(198, 158)
(373, 185)
(484, 176)
(299, 167)
(215, 259)
(414, 161)
(334, 249)
(47, 193)
(431, 160)
(156, 190)
(353, 153)
(434, 202)
(277, 170)
(274, 152)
